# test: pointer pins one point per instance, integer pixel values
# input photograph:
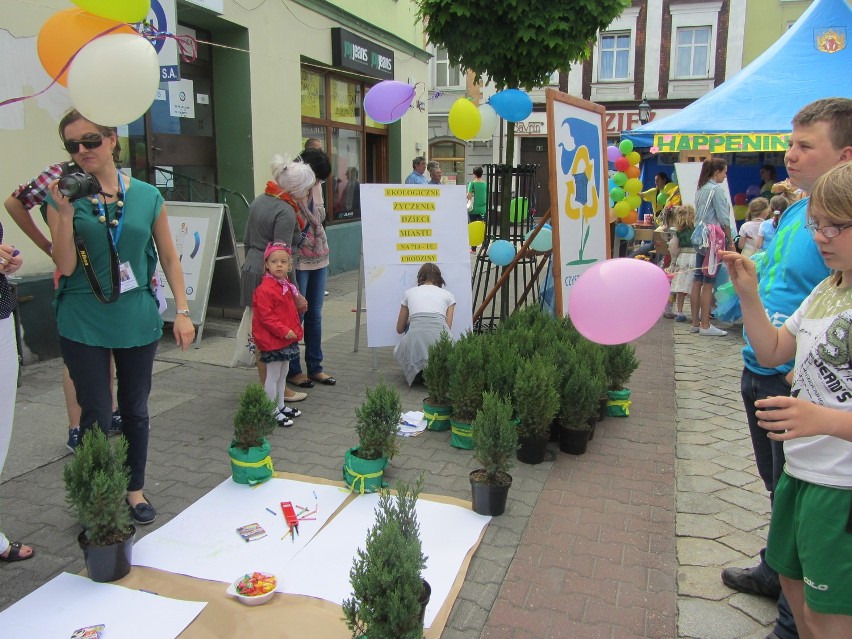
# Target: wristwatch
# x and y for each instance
(183, 311)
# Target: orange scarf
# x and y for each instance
(274, 190)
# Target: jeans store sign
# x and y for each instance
(353, 52)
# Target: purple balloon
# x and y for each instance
(388, 101)
(753, 191)
(617, 301)
(612, 153)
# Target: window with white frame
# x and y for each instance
(614, 63)
(446, 75)
(692, 58)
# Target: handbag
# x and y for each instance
(470, 205)
(244, 349)
(700, 236)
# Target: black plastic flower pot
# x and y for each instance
(489, 499)
(107, 563)
(573, 441)
(531, 450)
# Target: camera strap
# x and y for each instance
(91, 276)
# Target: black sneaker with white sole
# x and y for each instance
(283, 420)
(290, 412)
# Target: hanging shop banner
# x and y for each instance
(163, 18)
(722, 142)
(402, 227)
(576, 139)
(355, 53)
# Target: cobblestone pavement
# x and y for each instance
(625, 541)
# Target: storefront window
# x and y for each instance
(450, 155)
(345, 102)
(313, 95)
(346, 174)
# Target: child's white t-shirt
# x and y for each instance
(822, 326)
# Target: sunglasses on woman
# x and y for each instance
(73, 146)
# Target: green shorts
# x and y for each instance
(809, 541)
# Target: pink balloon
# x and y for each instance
(612, 153)
(388, 101)
(617, 301)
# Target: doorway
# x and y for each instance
(534, 151)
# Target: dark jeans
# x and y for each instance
(312, 286)
(89, 370)
(769, 456)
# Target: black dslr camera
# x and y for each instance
(74, 183)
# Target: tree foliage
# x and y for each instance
(255, 418)
(517, 43)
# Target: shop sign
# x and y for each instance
(311, 95)
(163, 17)
(355, 53)
(344, 105)
(722, 142)
(531, 127)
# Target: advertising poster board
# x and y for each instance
(402, 227)
(576, 139)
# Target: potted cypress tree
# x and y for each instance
(96, 481)
(389, 596)
(582, 381)
(467, 384)
(253, 423)
(537, 402)
(437, 407)
(376, 422)
(495, 441)
(620, 364)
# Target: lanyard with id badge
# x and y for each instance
(122, 278)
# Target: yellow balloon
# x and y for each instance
(476, 233)
(741, 211)
(633, 186)
(464, 119)
(633, 201)
(123, 11)
(669, 187)
(621, 209)
(633, 157)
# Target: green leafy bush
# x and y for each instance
(255, 418)
(536, 397)
(377, 421)
(436, 375)
(495, 438)
(96, 480)
(467, 379)
(621, 363)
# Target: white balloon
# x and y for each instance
(113, 80)
(490, 119)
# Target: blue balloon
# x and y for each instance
(501, 252)
(621, 230)
(547, 226)
(631, 232)
(513, 105)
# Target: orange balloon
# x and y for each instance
(631, 218)
(65, 33)
(632, 172)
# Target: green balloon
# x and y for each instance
(616, 194)
(625, 146)
(662, 198)
(619, 178)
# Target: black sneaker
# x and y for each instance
(283, 420)
(746, 580)
(143, 513)
(115, 423)
(75, 436)
(290, 412)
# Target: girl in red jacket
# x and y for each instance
(275, 326)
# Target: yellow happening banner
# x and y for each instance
(721, 142)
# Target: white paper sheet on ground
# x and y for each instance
(202, 541)
(69, 602)
(447, 533)
(411, 424)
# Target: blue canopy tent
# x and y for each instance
(752, 111)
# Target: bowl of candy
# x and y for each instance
(253, 588)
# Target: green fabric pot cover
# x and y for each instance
(437, 417)
(363, 475)
(252, 467)
(618, 404)
(462, 435)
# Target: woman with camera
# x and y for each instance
(107, 231)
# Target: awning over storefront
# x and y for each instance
(752, 111)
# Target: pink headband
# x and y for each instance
(276, 246)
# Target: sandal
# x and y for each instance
(14, 553)
(323, 378)
(302, 381)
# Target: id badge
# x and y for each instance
(126, 277)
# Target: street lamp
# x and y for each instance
(644, 111)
